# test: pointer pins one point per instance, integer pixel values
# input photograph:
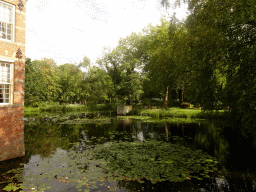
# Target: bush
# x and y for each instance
(173, 104)
(111, 106)
(133, 112)
(185, 105)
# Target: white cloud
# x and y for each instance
(66, 31)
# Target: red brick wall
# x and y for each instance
(11, 132)
(11, 116)
(11, 119)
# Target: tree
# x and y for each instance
(166, 63)
(123, 64)
(86, 63)
(41, 83)
(98, 86)
(70, 81)
(223, 53)
(31, 83)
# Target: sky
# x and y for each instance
(72, 29)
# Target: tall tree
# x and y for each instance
(98, 86)
(42, 78)
(86, 63)
(223, 49)
(123, 64)
(71, 78)
(165, 61)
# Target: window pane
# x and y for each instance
(6, 18)
(8, 78)
(1, 94)
(10, 13)
(3, 27)
(1, 11)
(5, 73)
(4, 93)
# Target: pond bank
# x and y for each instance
(180, 113)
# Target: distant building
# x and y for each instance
(12, 78)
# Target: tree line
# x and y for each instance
(208, 59)
(123, 74)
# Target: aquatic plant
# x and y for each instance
(88, 121)
(155, 161)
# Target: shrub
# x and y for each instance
(185, 105)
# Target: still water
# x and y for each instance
(127, 154)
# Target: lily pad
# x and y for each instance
(154, 158)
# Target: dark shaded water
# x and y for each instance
(141, 155)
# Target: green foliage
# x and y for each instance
(181, 113)
(64, 108)
(86, 63)
(123, 64)
(172, 112)
(41, 81)
(185, 105)
(11, 187)
(98, 121)
(167, 65)
(211, 115)
(99, 87)
(71, 78)
(221, 51)
(211, 56)
(154, 160)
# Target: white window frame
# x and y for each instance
(11, 63)
(12, 22)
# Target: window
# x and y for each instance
(5, 83)
(6, 21)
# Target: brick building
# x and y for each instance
(12, 78)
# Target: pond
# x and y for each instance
(107, 153)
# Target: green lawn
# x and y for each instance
(181, 113)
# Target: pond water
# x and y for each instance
(128, 154)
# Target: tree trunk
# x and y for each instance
(166, 131)
(182, 91)
(166, 98)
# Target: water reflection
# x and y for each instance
(51, 158)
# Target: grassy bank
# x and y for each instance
(65, 108)
(31, 110)
(56, 108)
(180, 113)
(154, 113)
(70, 108)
